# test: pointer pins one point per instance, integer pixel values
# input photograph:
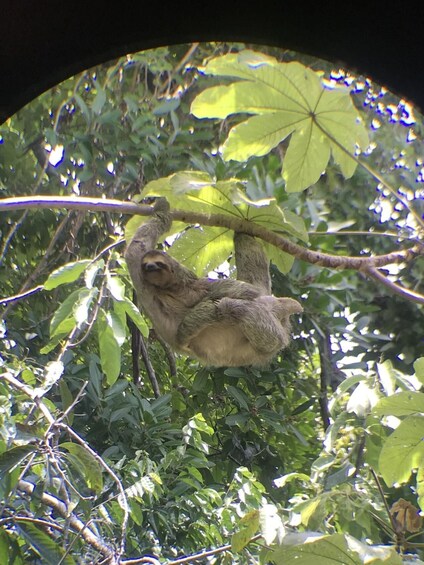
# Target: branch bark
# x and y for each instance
(75, 523)
(396, 288)
(358, 263)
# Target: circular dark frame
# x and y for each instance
(45, 42)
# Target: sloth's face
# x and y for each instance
(156, 269)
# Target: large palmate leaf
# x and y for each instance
(203, 249)
(286, 99)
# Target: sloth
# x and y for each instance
(222, 322)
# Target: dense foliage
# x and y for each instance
(113, 449)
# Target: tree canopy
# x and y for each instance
(113, 449)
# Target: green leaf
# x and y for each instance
(83, 107)
(403, 451)
(11, 458)
(306, 158)
(99, 100)
(286, 100)
(282, 481)
(66, 274)
(372, 554)
(328, 550)
(45, 546)
(239, 396)
(115, 286)
(82, 305)
(87, 465)
(109, 349)
(203, 249)
(134, 314)
(420, 487)
(74, 310)
(403, 403)
(166, 107)
(67, 400)
(91, 272)
(248, 525)
(4, 548)
(419, 369)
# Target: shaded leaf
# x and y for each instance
(45, 546)
(89, 467)
(9, 459)
(239, 396)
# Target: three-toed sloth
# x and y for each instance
(222, 322)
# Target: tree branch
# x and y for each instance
(396, 288)
(358, 263)
(75, 523)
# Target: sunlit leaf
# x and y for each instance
(403, 403)
(248, 526)
(52, 373)
(403, 451)
(285, 100)
(374, 554)
(419, 369)
(66, 274)
(82, 305)
(420, 487)
(116, 287)
(328, 550)
(270, 523)
(91, 272)
(132, 311)
(203, 249)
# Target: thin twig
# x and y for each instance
(383, 499)
(21, 295)
(75, 523)
(11, 234)
(394, 287)
(205, 554)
